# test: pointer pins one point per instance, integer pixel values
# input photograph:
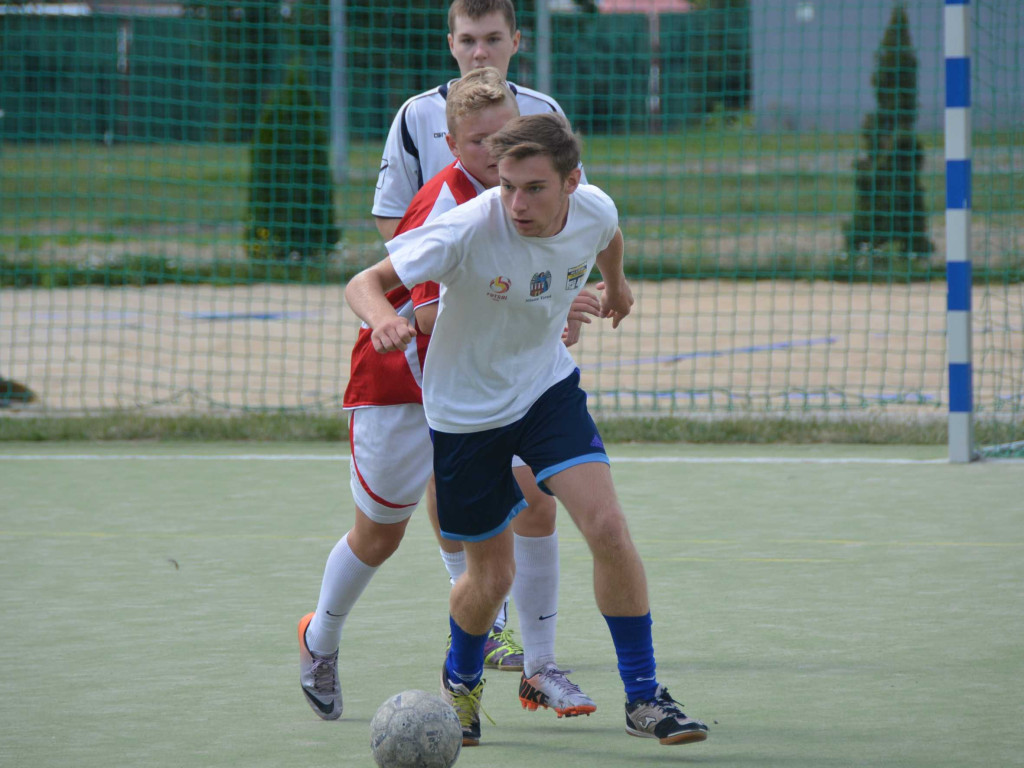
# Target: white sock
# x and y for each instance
(502, 618)
(455, 562)
(345, 578)
(535, 591)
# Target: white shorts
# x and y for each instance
(392, 460)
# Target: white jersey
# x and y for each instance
(497, 344)
(416, 149)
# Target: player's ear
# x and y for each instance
(451, 143)
(572, 181)
(451, 44)
(515, 41)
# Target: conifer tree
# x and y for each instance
(890, 214)
(291, 195)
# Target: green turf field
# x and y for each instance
(814, 613)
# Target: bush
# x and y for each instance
(291, 195)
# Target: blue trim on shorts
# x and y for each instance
(590, 458)
(491, 533)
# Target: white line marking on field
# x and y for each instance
(344, 457)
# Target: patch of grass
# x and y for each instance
(160, 270)
(843, 429)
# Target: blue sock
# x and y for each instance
(466, 658)
(634, 649)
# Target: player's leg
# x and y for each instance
(501, 651)
(620, 587)
(535, 592)
(570, 461)
(477, 499)
(535, 589)
(381, 439)
(452, 554)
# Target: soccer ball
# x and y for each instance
(415, 729)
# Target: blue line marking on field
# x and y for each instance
(715, 353)
(219, 316)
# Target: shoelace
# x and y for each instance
(475, 702)
(505, 638)
(323, 676)
(667, 704)
(563, 683)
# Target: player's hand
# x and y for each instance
(393, 334)
(586, 303)
(616, 301)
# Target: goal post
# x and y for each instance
(958, 227)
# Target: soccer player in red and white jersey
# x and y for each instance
(392, 451)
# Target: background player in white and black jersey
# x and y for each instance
(387, 430)
(482, 33)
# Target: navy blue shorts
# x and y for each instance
(477, 495)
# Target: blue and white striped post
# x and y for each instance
(958, 230)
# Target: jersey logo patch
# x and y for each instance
(383, 172)
(574, 277)
(540, 283)
(499, 287)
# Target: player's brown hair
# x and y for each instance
(547, 134)
(477, 90)
(477, 9)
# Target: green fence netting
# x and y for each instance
(739, 140)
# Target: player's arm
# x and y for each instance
(397, 181)
(426, 316)
(386, 226)
(365, 293)
(617, 298)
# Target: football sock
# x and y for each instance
(502, 619)
(535, 592)
(345, 578)
(465, 662)
(455, 562)
(634, 648)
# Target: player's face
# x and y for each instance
(483, 42)
(468, 142)
(535, 197)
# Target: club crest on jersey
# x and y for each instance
(499, 288)
(575, 276)
(540, 283)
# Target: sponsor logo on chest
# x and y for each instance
(575, 276)
(499, 287)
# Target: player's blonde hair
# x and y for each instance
(547, 134)
(477, 9)
(477, 90)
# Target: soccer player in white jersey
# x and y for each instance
(481, 33)
(498, 381)
(388, 431)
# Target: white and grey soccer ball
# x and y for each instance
(415, 729)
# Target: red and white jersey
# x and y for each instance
(396, 378)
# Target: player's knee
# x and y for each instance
(375, 545)
(495, 580)
(605, 529)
